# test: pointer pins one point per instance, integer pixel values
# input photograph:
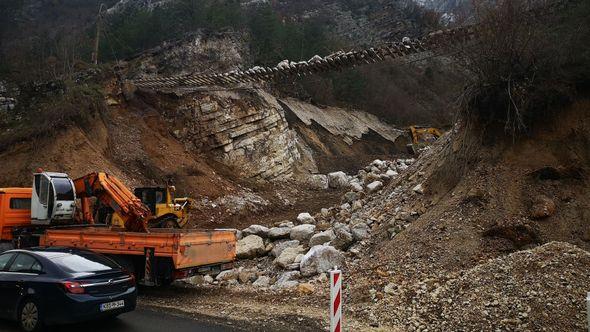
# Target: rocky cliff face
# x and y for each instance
(244, 130)
(198, 52)
(263, 138)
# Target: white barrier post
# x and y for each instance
(588, 310)
(335, 300)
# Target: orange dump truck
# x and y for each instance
(157, 257)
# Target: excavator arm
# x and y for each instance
(114, 194)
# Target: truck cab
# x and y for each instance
(15, 211)
(53, 199)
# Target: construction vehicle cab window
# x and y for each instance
(152, 197)
(53, 199)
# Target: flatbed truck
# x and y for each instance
(156, 257)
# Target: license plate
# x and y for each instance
(112, 305)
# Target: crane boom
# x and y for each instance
(114, 194)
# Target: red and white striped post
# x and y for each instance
(335, 300)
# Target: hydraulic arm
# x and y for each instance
(133, 214)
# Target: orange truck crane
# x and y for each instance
(48, 215)
(129, 211)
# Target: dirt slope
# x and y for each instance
(478, 205)
(133, 145)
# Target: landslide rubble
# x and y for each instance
(541, 289)
(289, 254)
(498, 249)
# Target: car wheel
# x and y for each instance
(30, 316)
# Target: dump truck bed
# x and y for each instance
(187, 249)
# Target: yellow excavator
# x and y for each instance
(170, 212)
(422, 136)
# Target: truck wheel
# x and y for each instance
(30, 317)
(166, 222)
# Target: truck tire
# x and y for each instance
(168, 221)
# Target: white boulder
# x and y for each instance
(379, 163)
(338, 180)
(282, 245)
(288, 256)
(318, 181)
(250, 247)
(286, 223)
(256, 230)
(227, 275)
(305, 218)
(419, 189)
(343, 237)
(356, 186)
(322, 238)
(360, 231)
(374, 187)
(320, 259)
(302, 233)
(279, 233)
(298, 259)
(262, 281)
(391, 173)
(287, 280)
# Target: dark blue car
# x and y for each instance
(47, 286)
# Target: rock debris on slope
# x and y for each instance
(424, 288)
(539, 289)
(311, 245)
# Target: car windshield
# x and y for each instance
(63, 189)
(81, 262)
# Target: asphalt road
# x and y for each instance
(141, 320)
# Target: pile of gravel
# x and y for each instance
(542, 289)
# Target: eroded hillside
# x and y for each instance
(486, 229)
